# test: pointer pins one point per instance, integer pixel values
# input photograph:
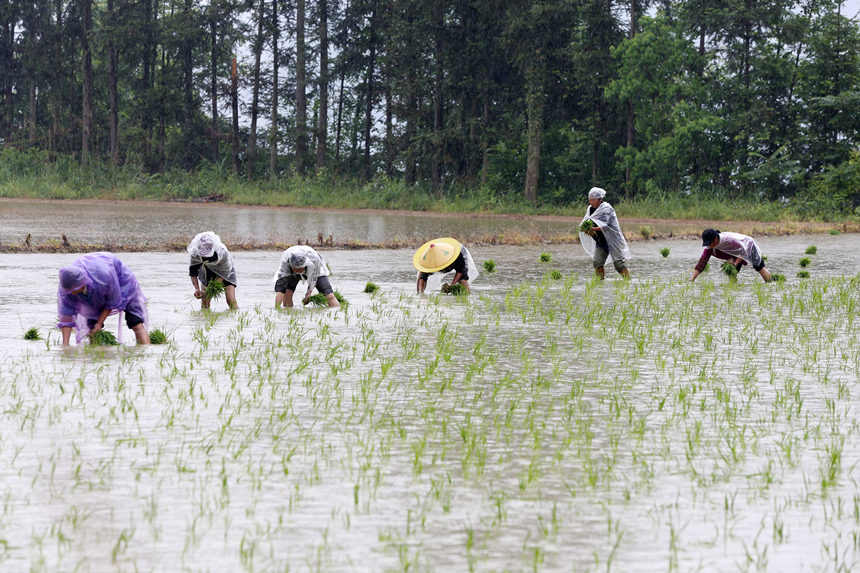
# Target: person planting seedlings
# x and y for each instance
(601, 236)
(737, 249)
(94, 287)
(298, 263)
(444, 255)
(210, 263)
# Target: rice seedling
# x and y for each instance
(645, 231)
(803, 274)
(545, 257)
(490, 266)
(811, 250)
(555, 275)
(319, 299)
(586, 225)
(665, 252)
(454, 289)
(804, 262)
(157, 336)
(729, 270)
(103, 338)
(776, 277)
(371, 288)
(834, 231)
(213, 290)
(33, 334)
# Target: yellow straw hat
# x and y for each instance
(435, 255)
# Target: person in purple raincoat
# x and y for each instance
(94, 287)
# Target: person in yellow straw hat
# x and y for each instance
(444, 255)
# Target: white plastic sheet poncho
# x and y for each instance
(434, 281)
(605, 218)
(738, 245)
(314, 263)
(204, 245)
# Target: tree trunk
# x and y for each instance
(187, 87)
(301, 95)
(87, 108)
(213, 87)
(339, 117)
(389, 132)
(534, 109)
(368, 110)
(630, 114)
(322, 124)
(255, 98)
(234, 97)
(438, 77)
(32, 117)
(273, 128)
(112, 89)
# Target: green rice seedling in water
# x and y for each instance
(103, 338)
(587, 225)
(490, 266)
(213, 290)
(811, 250)
(777, 278)
(665, 252)
(803, 274)
(319, 299)
(555, 275)
(804, 262)
(158, 336)
(545, 257)
(834, 231)
(32, 334)
(371, 288)
(645, 231)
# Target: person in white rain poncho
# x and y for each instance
(735, 248)
(301, 262)
(211, 261)
(602, 238)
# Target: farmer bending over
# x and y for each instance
(603, 240)
(94, 287)
(211, 261)
(444, 255)
(735, 248)
(301, 262)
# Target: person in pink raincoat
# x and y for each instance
(735, 248)
(94, 287)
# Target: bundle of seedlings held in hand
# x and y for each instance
(213, 290)
(730, 270)
(456, 289)
(319, 299)
(103, 338)
(586, 226)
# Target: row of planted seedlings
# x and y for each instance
(572, 422)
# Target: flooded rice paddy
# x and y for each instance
(538, 424)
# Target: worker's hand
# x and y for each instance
(306, 300)
(198, 293)
(98, 326)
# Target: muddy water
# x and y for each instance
(267, 441)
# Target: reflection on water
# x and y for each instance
(539, 424)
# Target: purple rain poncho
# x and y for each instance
(109, 283)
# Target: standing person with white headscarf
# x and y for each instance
(211, 261)
(301, 262)
(604, 239)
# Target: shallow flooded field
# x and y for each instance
(540, 423)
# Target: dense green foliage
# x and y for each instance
(498, 101)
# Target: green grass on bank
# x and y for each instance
(31, 175)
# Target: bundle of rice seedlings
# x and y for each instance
(157, 336)
(319, 299)
(811, 250)
(645, 231)
(455, 289)
(103, 338)
(555, 275)
(587, 225)
(778, 278)
(340, 299)
(371, 288)
(545, 257)
(803, 274)
(834, 231)
(490, 266)
(804, 262)
(213, 290)
(730, 270)
(665, 252)
(32, 334)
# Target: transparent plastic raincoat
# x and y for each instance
(605, 218)
(209, 242)
(109, 283)
(738, 245)
(315, 265)
(434, 281)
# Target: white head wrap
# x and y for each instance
(596, 193)
(298, 260)
(204, 244)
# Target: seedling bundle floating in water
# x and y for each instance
(103, 338)
(803, 274)
(490, 266)
(213, 290)
(811, 250)
(664, 251)
(371, 288)
(158, 336)
(32, 334)
(804, 262)
(776, 277)
(545, 257)
(555, 275)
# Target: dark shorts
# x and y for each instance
(289, 283)
(425, 276)
(131, 320)
(210, 276)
